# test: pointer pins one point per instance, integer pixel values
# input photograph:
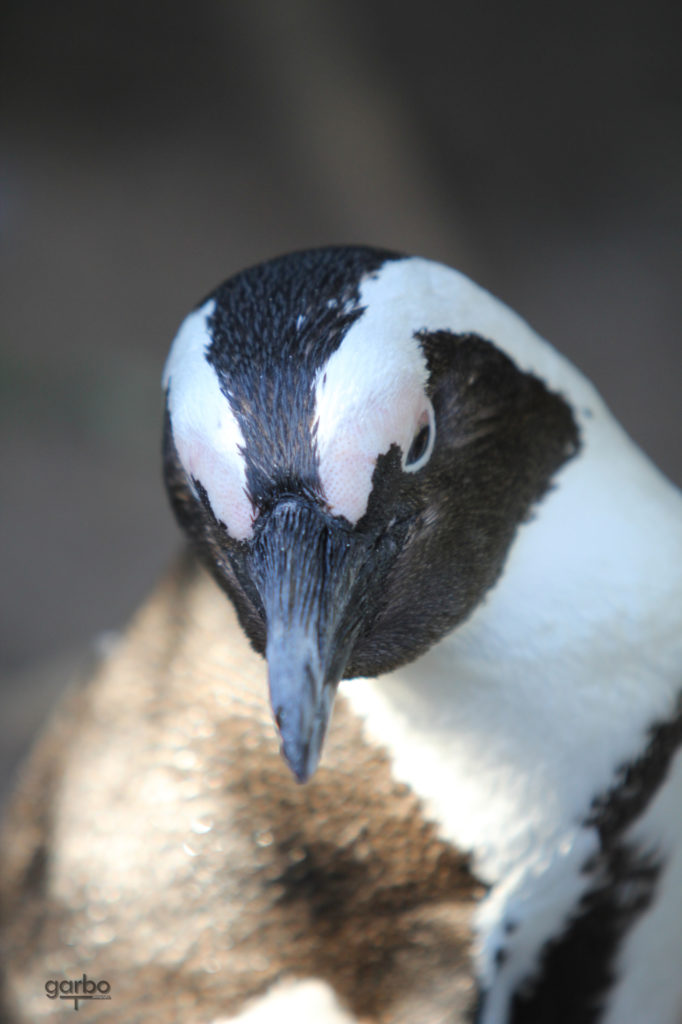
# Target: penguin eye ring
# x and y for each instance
(422, 443)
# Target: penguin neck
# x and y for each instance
(512, 725)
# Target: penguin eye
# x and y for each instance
(422, 442)
(418, 446)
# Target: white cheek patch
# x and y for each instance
(369, 395)
(206, 433)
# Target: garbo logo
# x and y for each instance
(82, 988)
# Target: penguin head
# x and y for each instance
(352, 460)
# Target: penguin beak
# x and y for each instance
(307, 567)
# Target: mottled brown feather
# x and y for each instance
(158, 841)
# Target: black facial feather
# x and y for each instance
(501, 435)
(274, 325)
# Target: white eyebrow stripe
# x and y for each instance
(207, 435)
(404, 298)
(368, 395)
(423, 295)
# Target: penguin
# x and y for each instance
(432, 569)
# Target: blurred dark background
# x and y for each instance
(149, 150)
